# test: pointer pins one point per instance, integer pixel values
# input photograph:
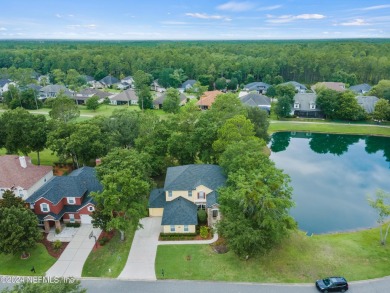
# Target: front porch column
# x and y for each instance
(47, 226)
(58, 225)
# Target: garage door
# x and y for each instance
(85, 219)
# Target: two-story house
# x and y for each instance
(305, 106)
(21, 176)
(186, 190)
(66, 199)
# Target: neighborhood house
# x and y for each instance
(186, 190)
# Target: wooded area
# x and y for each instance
(349, 61)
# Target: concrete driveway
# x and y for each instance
(140, 263)
(72, 259)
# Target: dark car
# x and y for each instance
(332, 284)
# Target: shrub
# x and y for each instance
(75, 225)
(202, 216)
(57, 245)
(58, 230)
(102, 241)
(49, 103)
(177, 236)
(204, 232)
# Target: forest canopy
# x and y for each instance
(349, 61)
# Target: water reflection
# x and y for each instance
(332, 176)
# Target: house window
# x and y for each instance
(31, 206)
(189, 193)
(312, 106)
(21, 192)
(91, 208)
(201, 195)
(71, 218)
(296, 105)
(215, 213)
(185, 228)
(170, 193)
(71, 200)
(45, 207)
(173, 228)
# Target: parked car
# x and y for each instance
(332, 284)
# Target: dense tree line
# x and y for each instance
(352, 61)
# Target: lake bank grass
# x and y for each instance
(299, 259)
(321, 127)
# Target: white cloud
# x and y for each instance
(207, 16)
(58, 15)
(269, 8)
(74, 26)
(375, 7)
(356, 22)
(236, 6)
(3, 29)
(289, 18)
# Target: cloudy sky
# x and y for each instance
(194, 20)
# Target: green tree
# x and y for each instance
(124, 174)
(59, 76)
(259, 119)
(123, 127)
(142, 83)
(12, 97)
(283, 107)
(10, 200)
(93, 103)
(271, 91)
(38, 135)
(348, 108)
(382, 207)
(381, 89)
(62, 286)
(64, 109)
(220, 83)
(233, 84)
(327, 101)
(285, 90)
(255, 202)
(382, 110)
(171, 103)
(18, 230)
(58, 139)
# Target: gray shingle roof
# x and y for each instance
(188, 177)
(180, 211)
(157, 198)
(109, 80)
(161, 99)
(256, 100)
(211, 198)
(304, 100)
(295, 84)
(254, 86)
(77, 184)
(367, 103)
(360, 88)
(188, 83)
(4, 81)
(127, 95)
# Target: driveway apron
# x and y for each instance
(72, 259)
(140, 263)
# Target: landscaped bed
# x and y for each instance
(356, 256)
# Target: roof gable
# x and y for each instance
(180, 211)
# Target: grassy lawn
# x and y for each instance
(300, 258)
(112, 256)
(329, 128)
(40, 259)
(46, 157)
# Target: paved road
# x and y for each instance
(118, 286)
(72, 260)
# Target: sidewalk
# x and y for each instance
(140, 263)
(71, 261)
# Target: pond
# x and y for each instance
(332, 176)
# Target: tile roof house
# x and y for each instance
(336, 86)
(128, 97)
(367, 103)
(260, 87)
(157, 103)
(300, 88)
(66, 198)
(208, 99)
(360, 88)
(187, 188)
(187, 85)
(52, 90)
(305, 106)
(257, 100)
(21, 176)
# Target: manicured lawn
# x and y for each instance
(329, 128)
(300, 258)
(14, 265)
(46, 157)
(112, 256)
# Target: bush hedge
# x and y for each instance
(177, 236)
(75, 225)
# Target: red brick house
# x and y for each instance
(66, 199)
